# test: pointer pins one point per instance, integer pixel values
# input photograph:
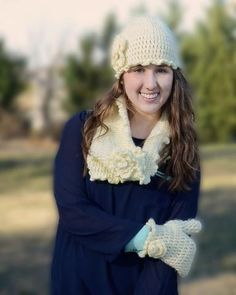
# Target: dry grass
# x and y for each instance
(215, 264)
(28, 219)
(28, 216)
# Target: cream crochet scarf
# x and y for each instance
(114, 156)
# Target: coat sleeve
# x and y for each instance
(157, 275)
(78, 215)
(185, 204)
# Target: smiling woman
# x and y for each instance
(127, 176)
(148, 88)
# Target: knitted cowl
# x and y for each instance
(114, 156)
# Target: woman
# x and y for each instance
(127, 176)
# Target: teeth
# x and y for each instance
(150, 96)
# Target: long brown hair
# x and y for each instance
(181, 155)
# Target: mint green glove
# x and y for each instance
(137, 242)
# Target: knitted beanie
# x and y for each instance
(146, 40)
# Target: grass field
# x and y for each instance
(28, 218)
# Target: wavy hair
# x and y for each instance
(181, 156)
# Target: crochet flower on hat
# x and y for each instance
(118, 58)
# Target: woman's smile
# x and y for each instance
(150, 97)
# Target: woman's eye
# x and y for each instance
(139, 70)
(161, 70)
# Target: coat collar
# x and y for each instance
(114, 156)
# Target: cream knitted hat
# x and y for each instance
(146, 40)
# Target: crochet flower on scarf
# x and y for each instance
(114, 156)
(122, 164)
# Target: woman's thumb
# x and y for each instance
(191, 226)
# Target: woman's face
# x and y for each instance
(148, 87)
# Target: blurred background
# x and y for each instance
(54, 62)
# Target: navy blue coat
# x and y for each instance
(97, 219)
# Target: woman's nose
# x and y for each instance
(150, 80)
